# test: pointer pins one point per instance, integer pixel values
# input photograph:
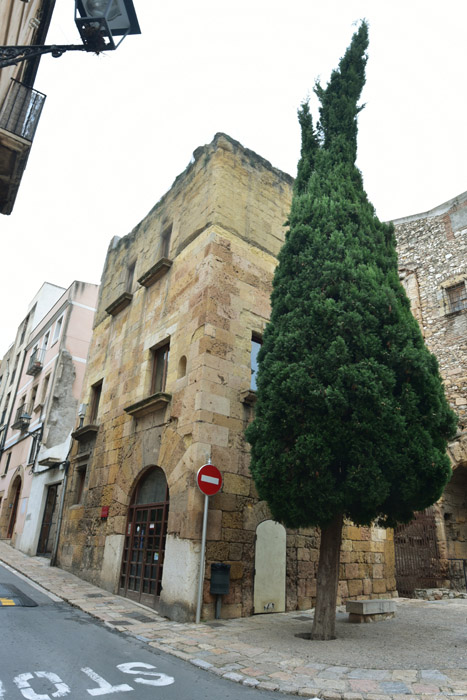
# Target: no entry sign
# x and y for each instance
(209, 479)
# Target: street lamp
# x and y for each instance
(99, 22)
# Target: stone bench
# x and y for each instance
(370, 610)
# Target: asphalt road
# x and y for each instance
(49, 649)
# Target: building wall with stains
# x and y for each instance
(432, 250)
(195, 275)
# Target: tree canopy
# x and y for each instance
(351, 416)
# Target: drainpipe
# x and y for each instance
(53, 558)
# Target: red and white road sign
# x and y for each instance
(209, 479)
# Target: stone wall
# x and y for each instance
(432, 251)
(207, 292)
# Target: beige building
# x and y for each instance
(21, 24)
(183, 302)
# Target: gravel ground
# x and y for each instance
(422, 635)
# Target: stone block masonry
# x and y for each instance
(213, 240)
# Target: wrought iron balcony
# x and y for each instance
(22, 417)
(21, 110)
(36, 362)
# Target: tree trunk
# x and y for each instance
(324, 622)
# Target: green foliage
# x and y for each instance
(351, 415)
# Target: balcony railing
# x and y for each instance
(36, 362)
(22, 417)
(21, 110)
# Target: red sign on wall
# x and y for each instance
(105, 512)
(209, 479)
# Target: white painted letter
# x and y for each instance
(136, 668)
(2, 690)
(22, 682)
(104, 687)
(62, 688)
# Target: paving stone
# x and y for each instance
(231, 676)
(370, 674)
(305, 693)
(392, 687)
(250, 682)
(265, 685)
(201, 663)
(330, 695)
(433, 675)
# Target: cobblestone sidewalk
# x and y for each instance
(263, 651)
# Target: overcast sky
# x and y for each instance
(118, 128)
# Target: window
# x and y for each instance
(23, 330)
(130, 276)
(33, 448)
(33, 397)
(79, 488)
(7, 463)
(58, 329)
(14, 369)
(160, 360)
(256, 342)
(45, 388)
(96, 392)
(165, 242)
(46, 340)
(457, 297)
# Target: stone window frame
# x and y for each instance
(447, 300)
(160, 356)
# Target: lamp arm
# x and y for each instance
(12, 55)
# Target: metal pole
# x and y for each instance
(201, 563)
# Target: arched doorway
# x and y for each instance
(146, 530)
(416, 554)
(14, 512)
(270, 568)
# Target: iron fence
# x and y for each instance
(21, 110)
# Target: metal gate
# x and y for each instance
(416, 554)
(143, 554)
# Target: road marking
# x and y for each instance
(209, 479)
(31, 583)
(22, 683)
(7, 601)
(104, 688)
(160, 679)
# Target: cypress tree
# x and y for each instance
(351, 420)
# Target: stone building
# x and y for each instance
(432, 250)
(51, 351)
(169, 385)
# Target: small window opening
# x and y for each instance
(457, 297)
(96, 392)
(181, 367)
(80, 481)
(256, 342)
(130, 276)
(160, 360)
(165, 242)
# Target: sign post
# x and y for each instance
(209, 480)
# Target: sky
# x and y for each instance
(118, 128)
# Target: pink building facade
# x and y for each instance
(37, 439)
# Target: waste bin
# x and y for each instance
(220, 579)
